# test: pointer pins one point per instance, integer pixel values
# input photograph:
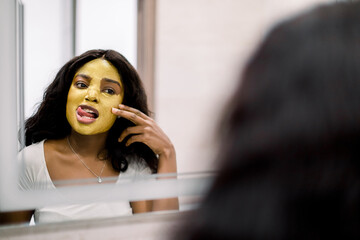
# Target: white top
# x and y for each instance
(35, 176)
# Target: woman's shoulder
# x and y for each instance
(34, 148)
(32, 166)
(32, 155)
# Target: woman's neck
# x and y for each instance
(87, 145)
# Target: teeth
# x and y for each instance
(88, 110)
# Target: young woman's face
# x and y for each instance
(96, 88)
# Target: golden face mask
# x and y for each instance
(96, 88)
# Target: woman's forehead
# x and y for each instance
(99, 68)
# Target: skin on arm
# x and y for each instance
(148, 132)
(15, 217)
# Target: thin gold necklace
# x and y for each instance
(99, 179)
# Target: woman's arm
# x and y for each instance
(148, 132)
(166, 165)
(15, 217)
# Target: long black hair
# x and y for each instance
(49, 121)
(290, 139)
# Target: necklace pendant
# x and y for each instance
(99, 180)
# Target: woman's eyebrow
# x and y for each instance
(83, 76)
(112, 81)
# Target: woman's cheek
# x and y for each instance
(76, 96)
(108, 103)
(112, 101)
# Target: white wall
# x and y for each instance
(45, 46)
(201, 46)
(107, 24)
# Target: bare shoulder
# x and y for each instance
(57, 161)
(54, 149)
(54, 144)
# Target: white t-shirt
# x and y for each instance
(35, 176)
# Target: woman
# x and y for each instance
(290, 139)
(93, 123)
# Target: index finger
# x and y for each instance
(132, 114)
(134, 110)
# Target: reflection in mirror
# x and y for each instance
(195, 59)
(79, 130)
(93, 122)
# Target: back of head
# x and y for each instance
(291, 137)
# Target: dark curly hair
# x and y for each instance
(49, 121)
(290, 138)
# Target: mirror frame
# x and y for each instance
(146, 46)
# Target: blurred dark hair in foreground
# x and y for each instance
(290, 139)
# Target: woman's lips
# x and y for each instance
(86, 114)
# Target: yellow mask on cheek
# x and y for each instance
(96, 88)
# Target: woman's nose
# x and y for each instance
(92, 96)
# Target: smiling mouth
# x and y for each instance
(86, 114)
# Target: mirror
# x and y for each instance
(34, 40)
(198, 54)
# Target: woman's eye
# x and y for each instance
(109, 91)
(80, 85)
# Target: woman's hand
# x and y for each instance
(148, 132)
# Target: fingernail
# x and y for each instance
(114, 110)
